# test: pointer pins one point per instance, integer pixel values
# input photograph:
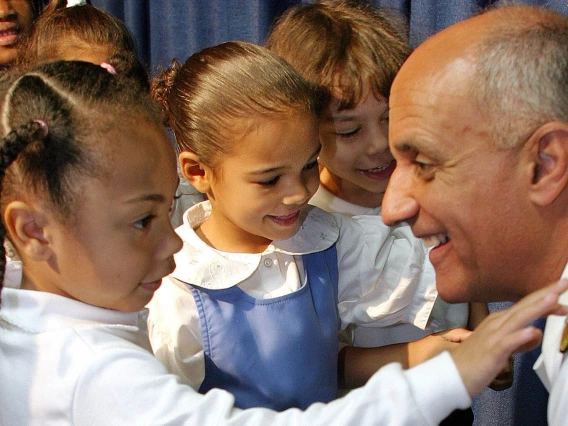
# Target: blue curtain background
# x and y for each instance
(166, 29)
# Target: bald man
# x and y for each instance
(479, 130)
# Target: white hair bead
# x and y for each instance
(71, 3)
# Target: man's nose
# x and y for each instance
(399, 204)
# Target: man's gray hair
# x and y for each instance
(521, 79)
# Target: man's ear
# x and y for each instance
(195, 171)
(549, 155)
(26, 226)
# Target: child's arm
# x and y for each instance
(357, 365)
(498, 334)
(422, 395)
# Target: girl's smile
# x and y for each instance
(380, 173)
(10, 35)
(285, 221)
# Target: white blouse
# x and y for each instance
(384, 279)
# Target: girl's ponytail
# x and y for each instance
(13, 144)
(160, 89)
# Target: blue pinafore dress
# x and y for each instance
(275, 353)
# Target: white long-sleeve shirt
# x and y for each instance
(67, 363)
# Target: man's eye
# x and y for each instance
(423, 166)
(144, 222)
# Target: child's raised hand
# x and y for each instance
(482, 356)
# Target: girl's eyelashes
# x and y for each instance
(144, 222)
(349, 133)
(273, 181)
(270, 182)
(311, 165)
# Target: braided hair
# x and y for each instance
(53, 117)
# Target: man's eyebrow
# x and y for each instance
(405, 145)
(411, 145)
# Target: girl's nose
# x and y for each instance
(300, 193)
(378, 141)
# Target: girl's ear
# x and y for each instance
(549, 155)
(25, 226)
(195, 171)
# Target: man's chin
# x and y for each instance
(453, 290)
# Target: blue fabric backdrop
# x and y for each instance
(165, 29)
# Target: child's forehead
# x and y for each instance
(350, 89)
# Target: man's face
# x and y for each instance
(459, 192)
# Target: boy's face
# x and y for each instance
(16, 16)
(122, 243)
(355, 160)
(261, 187)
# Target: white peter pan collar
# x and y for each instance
(199, 264)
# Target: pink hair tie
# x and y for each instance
(43, 126)
(108, 67)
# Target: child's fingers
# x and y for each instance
(536, 305)
(502, 333)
